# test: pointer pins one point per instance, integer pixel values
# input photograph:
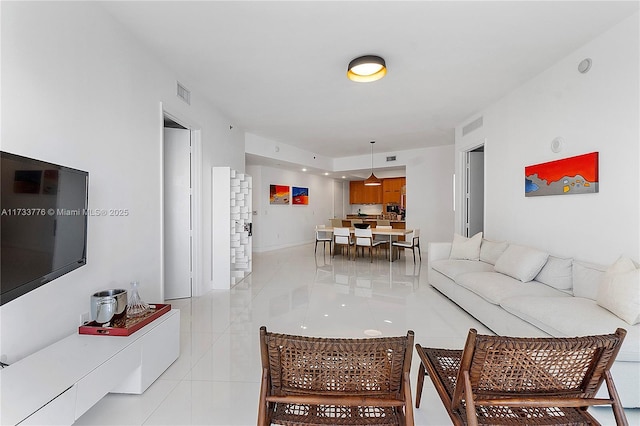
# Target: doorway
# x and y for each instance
(473, 208)
(177, 210)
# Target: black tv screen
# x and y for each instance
(43, 223)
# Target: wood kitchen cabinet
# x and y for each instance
(361, 194)
(372, 194)
(392, 190)
(356, 192)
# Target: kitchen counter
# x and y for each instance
(397, 224)
(370, 217)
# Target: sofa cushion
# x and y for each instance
(466, 248)
(557, 273)
(490, 251)
(452, 268)
(494, 286)
(587, 278)
(619, 291)
(520, 262)
(574, 316)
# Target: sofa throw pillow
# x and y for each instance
(619, 291)
(490, 251)
(466, 248)
(521, 263)
(557, 273)
(586, 279)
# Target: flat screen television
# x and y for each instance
(43, 223)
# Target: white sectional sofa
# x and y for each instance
(521, 291)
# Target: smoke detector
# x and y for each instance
(585, 65)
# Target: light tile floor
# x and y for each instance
(215, 381)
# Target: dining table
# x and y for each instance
(385, 232)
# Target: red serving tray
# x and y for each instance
(131, 325)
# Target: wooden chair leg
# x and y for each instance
(408, 407)
(618, 411)
(421, 374)
(472, 418)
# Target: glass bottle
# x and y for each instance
(136, 307)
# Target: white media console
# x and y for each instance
(59, 383)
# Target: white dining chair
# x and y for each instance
(335, 223)
(412, 243)
(324, 237)
(364, 238)
(342, 238)
(383, 239)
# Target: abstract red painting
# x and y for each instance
(573, 175)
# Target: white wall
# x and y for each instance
(340, 198)
(597, 111)
(78, 90)
(269, 148)
(430, 193)
(279, 226)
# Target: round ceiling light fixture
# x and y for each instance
(366, 69)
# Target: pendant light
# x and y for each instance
(372, 180)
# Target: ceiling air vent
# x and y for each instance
(184, 93)
(391, 158)
(475, 124)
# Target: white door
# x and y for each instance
(177, 213)
(475, 192)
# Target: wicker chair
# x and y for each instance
(320, 381)
(517, 381)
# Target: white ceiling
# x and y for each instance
(278, 69)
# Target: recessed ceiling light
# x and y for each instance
(366, 69)
(326, 173)
(344, 177)
(304, 170)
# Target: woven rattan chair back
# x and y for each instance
(511, 380)
(310, 380)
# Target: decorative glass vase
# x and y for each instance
(136, 307)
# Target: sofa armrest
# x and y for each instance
(439, 251)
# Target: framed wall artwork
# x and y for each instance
(279, 194)
(573, 175)
(299, 195)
